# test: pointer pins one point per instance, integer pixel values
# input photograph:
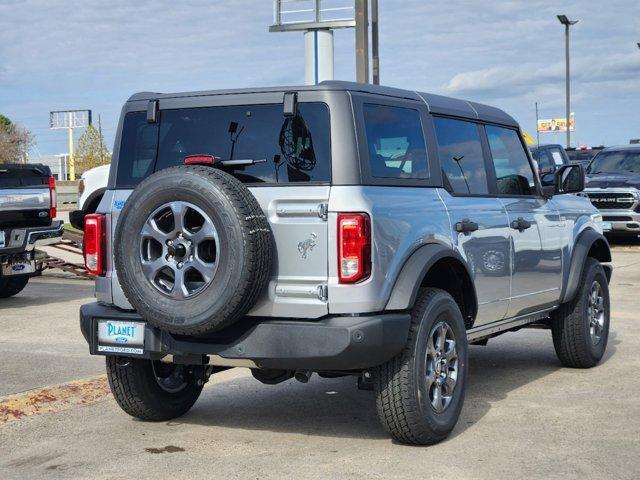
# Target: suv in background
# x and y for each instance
(341, 229)
(549, 159)
(613, 186)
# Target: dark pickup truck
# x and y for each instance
(27, 212)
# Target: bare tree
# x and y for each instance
(15, 142)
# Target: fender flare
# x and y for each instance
(586, 239)
(98, 193)
(405, 290)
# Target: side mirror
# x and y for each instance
(569, 179)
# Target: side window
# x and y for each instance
(461, 158)
(545, 162)
(558, 159)
(395, 142)
(138, 146)
(514, 175)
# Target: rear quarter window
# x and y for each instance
(395, 141)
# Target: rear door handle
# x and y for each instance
(520, 224)
(466, 226)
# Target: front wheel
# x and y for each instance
(580, 328)
(152, 390)
(420, 392)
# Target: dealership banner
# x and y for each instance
(556, 124)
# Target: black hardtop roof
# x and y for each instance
(436, 103)
(547, 145)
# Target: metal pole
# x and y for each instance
(375, 59)
(72, 167)
(362, 41)
(568, 84)
(537, 130)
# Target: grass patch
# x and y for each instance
(70, 228)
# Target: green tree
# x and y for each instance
(15, 142)
(91, 150)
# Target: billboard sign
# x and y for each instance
(549, 125)
(69, 118)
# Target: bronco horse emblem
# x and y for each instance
(306, 246)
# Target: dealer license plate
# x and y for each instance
(120, 337)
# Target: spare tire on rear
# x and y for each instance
(193, 249)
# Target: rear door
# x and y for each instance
(290, 177)
(478, 219)
(533, 221)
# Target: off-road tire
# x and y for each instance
(400, 384)
(137, 392)
(570, 322)
(12, 285)
(245, 250)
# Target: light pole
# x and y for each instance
(567, 23)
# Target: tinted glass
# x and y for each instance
(615, 162)
(460, 153)
(137, 149)
(285, 149)
(513, 171)
(545, 162)
(395, 142)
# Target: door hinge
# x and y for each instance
(323, 292)
(323, 211)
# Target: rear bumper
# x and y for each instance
(333, 343)
(20, 240)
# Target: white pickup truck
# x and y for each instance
(27, 212)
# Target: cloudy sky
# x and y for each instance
(66, 54)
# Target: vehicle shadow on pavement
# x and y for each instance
(336, 408)
(39, 292)
(506, 365)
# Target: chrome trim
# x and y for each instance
(24, 199)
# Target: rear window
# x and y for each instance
(286, 150)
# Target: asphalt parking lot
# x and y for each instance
(525, 416)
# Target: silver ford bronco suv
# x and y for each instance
(338, 229)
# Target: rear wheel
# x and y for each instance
(152, 390)
(11, 286)
(580, 328)
(420, 392)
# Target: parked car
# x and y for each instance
(613, 186)
(91, 187)
(549, 159)
(582, 155)
(338, 229)
(27, 212)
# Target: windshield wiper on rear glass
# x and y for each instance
(241, 162)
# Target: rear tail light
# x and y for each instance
(354, 247)
(53, 198)
(94, 243)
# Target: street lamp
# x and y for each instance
(567, 23)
